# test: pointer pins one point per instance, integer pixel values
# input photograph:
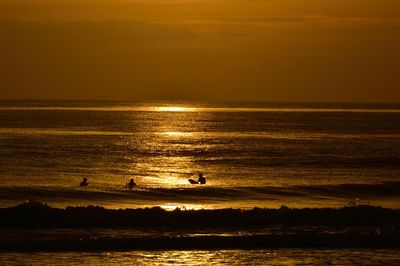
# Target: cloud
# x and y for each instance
(289, 21)
(89, 33)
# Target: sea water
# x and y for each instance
(252, 154)
(210, 257)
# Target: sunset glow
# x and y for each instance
(173, 109)
(199, 132)
(236, 50)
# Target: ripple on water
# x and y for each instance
(214, 257)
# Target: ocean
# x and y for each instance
(252, 154)
(214, 257)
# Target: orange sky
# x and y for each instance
(264, 50)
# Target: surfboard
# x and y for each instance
(192, 181)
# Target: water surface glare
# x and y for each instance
(210, 257)
(252, 154)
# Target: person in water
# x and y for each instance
(84, 182)
(131, 184)
(201, 180)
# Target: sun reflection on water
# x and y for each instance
(177, 134)
(166, 181)
(208, 257)
(173, 109)
(173, 165)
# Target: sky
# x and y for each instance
(202, 50)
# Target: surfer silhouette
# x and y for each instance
(84, 182)
(201, 180)
(131, 184)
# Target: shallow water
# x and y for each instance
(257, 154)
(210, 257)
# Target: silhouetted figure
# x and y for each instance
(84, 182)
(131, 184)
(201, 180)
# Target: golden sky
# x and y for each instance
(264, 50)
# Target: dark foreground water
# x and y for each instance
(210, 257)
(257, 154)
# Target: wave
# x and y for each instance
(66, 229)
(33, 214)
